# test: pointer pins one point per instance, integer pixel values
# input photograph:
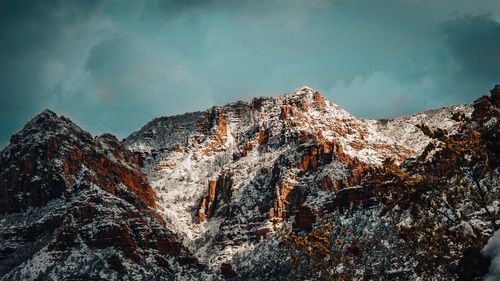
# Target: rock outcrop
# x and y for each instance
(495, 96)
(52, 155)
(219, 192)
(292, 159)
(74, 200)
(198, 188)
(485, 106)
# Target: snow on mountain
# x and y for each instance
(405, 133)
(266, 153)
(78, 207)
(221, 193)
(492, 250)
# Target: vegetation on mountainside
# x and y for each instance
(443, 204)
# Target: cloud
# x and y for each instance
(131, 75)
(114, 65)
(461, 62)
(380, 95)
(492, 250)
(35, 36)
(475, 44)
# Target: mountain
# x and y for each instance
(273, 189)
(79, 208)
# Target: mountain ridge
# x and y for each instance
(293, 120)
(211, 194)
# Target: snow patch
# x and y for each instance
(492, 250)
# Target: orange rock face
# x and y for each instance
(318, 152)
(47, 169)
(214, 128)
(286, 112)
(99, 197)
(263, 137)
(218, 191)
(318, 98)
(328, 184)
(222, 124)
(304, 105)
(282, 195)
(309, 160)
(326, 152)
(133, 179)
(179, 148)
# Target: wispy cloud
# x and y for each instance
(112, 66)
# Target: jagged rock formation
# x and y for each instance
(427, 218)
(209, 195)
(79, 207)
(291, 159)
(47, 157)
(219, 192)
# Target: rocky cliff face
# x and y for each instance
(51, 155)
(80, 207)
(207, 195)
(248, 170)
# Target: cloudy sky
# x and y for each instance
(112, 66)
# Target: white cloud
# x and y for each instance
(381, 95)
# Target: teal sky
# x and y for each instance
(112, 66)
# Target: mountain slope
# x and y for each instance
(79, 207)
(242, 171)
(279, 188)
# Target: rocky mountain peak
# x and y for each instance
(74, 199)
(51, 155)
(235, 174)
(46, 113)
(49, 120)
(305, 92)
(46, 124)
(302, 92)
(216, 187)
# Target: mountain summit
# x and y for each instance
(272, 189)
(78, 207)
(234, 174)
